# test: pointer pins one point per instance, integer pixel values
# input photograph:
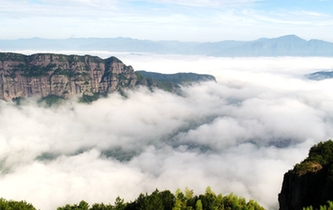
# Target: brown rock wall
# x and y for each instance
(39, 75)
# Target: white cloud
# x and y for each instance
(238, 135)
(199, 20)
(208, 3)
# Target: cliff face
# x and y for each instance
(310, 189)
(40, 75)
(310, 183)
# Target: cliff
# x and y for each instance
(56, 75)
(41, 75)
(309, 183)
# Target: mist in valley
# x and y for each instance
(238, 135)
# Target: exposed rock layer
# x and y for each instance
(40, 75)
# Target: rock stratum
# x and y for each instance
(309, 183)
(45, 74)
(40, 75)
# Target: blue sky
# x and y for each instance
(184, 20)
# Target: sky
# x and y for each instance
(237, 135)
(183, 20)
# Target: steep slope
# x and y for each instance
(310, 183)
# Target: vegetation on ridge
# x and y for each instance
(328, 206)
(310, 185)
(320, 155)
(51, 100)
(171, 82)
(177, 78)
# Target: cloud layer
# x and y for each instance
(183, 20)
(238, 135)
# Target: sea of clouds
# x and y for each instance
(238, 135)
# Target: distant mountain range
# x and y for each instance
(289, 45)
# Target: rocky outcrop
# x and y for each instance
(41, 75)
(310, 183)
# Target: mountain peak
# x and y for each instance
(290, 38)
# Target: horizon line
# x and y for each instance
(123, 37)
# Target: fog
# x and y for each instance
(239, 135)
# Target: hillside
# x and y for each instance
(171, 82)
(178, 78)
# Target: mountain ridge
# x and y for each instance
(288, 45)
(58, 75)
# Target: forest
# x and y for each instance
(157, 200)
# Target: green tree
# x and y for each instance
(198, 205)
(188, 193)
(149, 202)
(209, 200)
(253, 205)
(83, 205)
(15, 205)
(168, 199)
(328, 206)
(178, 205)
(180, 202)
(100, 206)
(119, 204)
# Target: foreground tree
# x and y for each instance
(15, 205)
(328, 206)
(157, 200)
